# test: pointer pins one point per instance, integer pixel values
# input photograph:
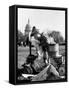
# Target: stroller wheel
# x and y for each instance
(61, 71)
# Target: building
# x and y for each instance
(27, 28)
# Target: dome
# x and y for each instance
(28, 27)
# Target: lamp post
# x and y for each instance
(30, 47)
(30, 43)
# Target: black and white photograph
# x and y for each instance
(34, 44)
(41, 45)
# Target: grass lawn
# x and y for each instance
(23, 52)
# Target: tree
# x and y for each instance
(23, 38)
(20, 35)
(56, 36)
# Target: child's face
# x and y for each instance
(34, 42)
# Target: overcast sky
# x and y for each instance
(44, 20)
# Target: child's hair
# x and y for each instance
(43, 43)
(34, 31)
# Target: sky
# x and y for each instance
(44, 20)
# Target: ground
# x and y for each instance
(23, 52)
